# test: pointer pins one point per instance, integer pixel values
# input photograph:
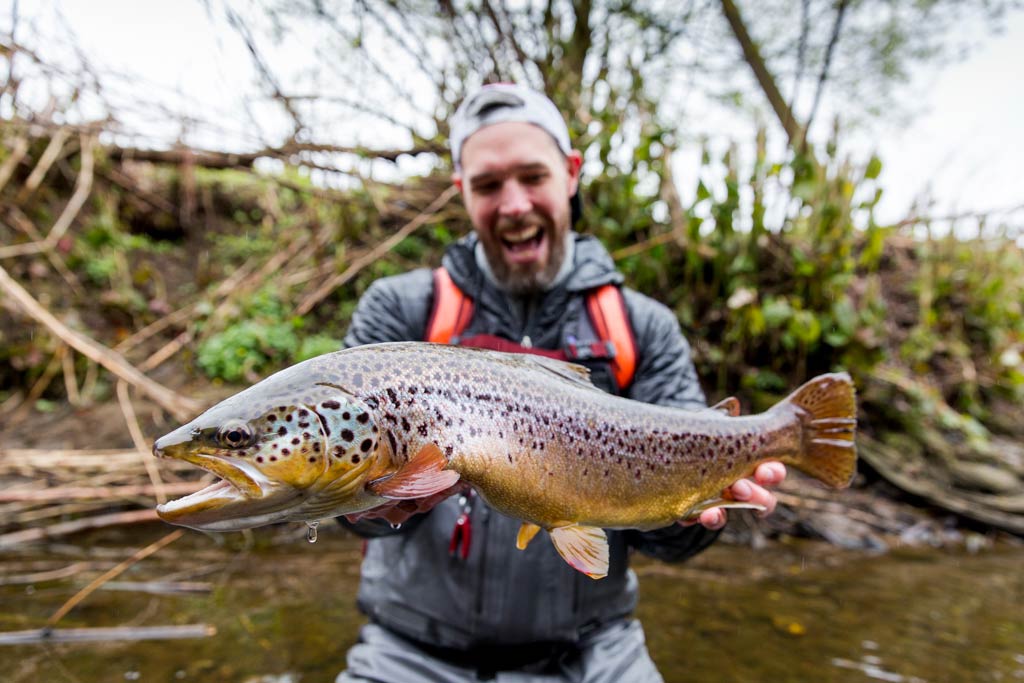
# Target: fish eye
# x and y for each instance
(234, 435)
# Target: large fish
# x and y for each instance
(352, 430)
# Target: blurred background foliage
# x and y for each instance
(774, 263)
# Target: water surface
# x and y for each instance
(284, 611)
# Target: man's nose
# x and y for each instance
(515, 200)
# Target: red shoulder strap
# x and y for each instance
(451, 312)
(608, 314)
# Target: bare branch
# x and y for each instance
(180, 407)
(836, 30)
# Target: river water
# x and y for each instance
(284, 611)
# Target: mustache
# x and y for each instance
(519, 222)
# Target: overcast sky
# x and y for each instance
(964, 150)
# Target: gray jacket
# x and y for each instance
(498, 594)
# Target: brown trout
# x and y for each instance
(351, 430)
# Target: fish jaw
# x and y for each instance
(241, 499)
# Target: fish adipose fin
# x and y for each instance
(585, 548)
(526, 533)
(829, 416)
(424, 475)
(729, 406)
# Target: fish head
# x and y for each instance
(273, 452)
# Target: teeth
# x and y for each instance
(519, 236)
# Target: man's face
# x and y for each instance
(516, 185)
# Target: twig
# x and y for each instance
(111, 573)
(73, 527)
(167, 351)
(128, 410)
(40, 386)
(107, 634)
(67, 362)
(46, 160)
(95, 492)
(18, 152)
(160, 587)
(387, 245)
(41, 577)
(83, 186)
(180, 407)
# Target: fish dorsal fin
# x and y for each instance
(571, 371)
(526, 533)
(728, 406)
(585, 548)
(424, 475)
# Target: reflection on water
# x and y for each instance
(284, 611)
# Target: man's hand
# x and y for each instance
(399, 511)
(746, 491)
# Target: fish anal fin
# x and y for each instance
(729, 406)
(424, 475)
(725, 503)
(585, 548)
(526, 533)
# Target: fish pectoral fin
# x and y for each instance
(424, 475)
(585, 548)
(729, 406)
(724, 503)
(526, 533)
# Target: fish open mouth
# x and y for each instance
(237, 487)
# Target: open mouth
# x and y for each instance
(523, 244)
(235, 485)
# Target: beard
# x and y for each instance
(526, 278)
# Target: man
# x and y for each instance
(448, 596)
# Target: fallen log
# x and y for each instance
(104, 634)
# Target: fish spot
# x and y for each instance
(346, 416)
(405, 424)
(312, 458)
(347, 435)
(316, 447)
(259, 458)
(296, 441)
(355, 458)
(366, 445)
(273, 458)
(303, 425)
(422, 428)
(391, 442)
(282, 431)
(288, 417)
(285, 451)
(362, 418)
(271, 418)
(448, 451)
(331, 405)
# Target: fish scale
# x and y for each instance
(531, 434)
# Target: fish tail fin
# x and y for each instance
(828, 411)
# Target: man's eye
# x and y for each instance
(534, 178)
(486, 188)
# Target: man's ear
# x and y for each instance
(574, 160)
